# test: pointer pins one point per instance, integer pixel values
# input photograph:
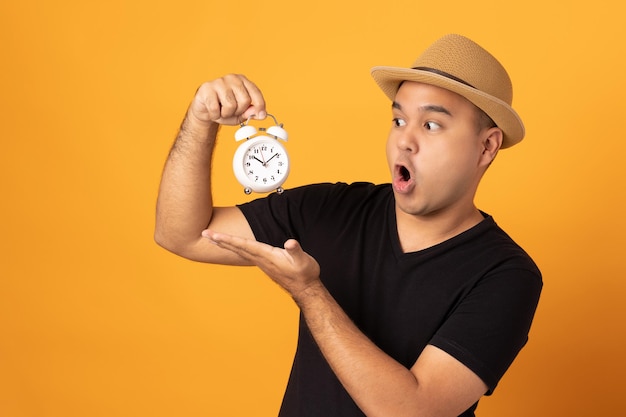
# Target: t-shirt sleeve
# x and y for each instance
(278, 217)
(490, 326)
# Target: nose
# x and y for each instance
(406, 140)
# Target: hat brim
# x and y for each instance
(389, 79)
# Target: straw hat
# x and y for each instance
(460, 65)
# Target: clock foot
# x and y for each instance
(279, 190)
(247, 190)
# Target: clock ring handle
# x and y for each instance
(246, 131)
(251, 116)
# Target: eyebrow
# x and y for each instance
(425, 108)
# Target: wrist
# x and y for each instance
(309, 293)
(198, 129)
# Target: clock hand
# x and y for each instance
(263, 163)
(263, 156)
(268, 161)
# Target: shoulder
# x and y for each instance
(489, 255)
(338, 189)
(508, 253)
(323, 194)
(508, 268)
(306, 207)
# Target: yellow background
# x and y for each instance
(96, 320)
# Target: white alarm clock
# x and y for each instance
(261, 163)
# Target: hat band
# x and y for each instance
(444, 74)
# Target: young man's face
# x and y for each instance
(436, 151)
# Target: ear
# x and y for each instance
(491, 142)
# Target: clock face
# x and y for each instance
(261, 164)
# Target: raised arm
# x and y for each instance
(185, 203)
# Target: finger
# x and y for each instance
(231, 99)
(206, 104)
(238, 96)
(257, 101)
(214, 101)
(213, 105)
(247, 248)
(295, 253)
(227, 98)
(293, 248)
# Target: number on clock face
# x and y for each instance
(265, 164)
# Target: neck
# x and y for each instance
(421, 232)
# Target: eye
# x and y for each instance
(432, 126)
(397, 122)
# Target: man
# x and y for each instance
(413, 302)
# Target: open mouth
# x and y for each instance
(403, 181)
(404, 173)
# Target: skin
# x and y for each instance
(436, 156)
(185, 204)
(435, 139)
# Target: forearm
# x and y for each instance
(437, 385)
(184, 204)
(378, 384)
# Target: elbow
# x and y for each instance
(168, 242)
(161, 239)
(175, 238)
(182, 245)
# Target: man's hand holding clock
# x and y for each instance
(232, 100)
(229, 100)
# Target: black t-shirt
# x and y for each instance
(473, 296)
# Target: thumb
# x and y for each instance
(292, 246)
(294, 250)
(257, 112)
(302, 261)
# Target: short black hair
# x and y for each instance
(483, 121)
